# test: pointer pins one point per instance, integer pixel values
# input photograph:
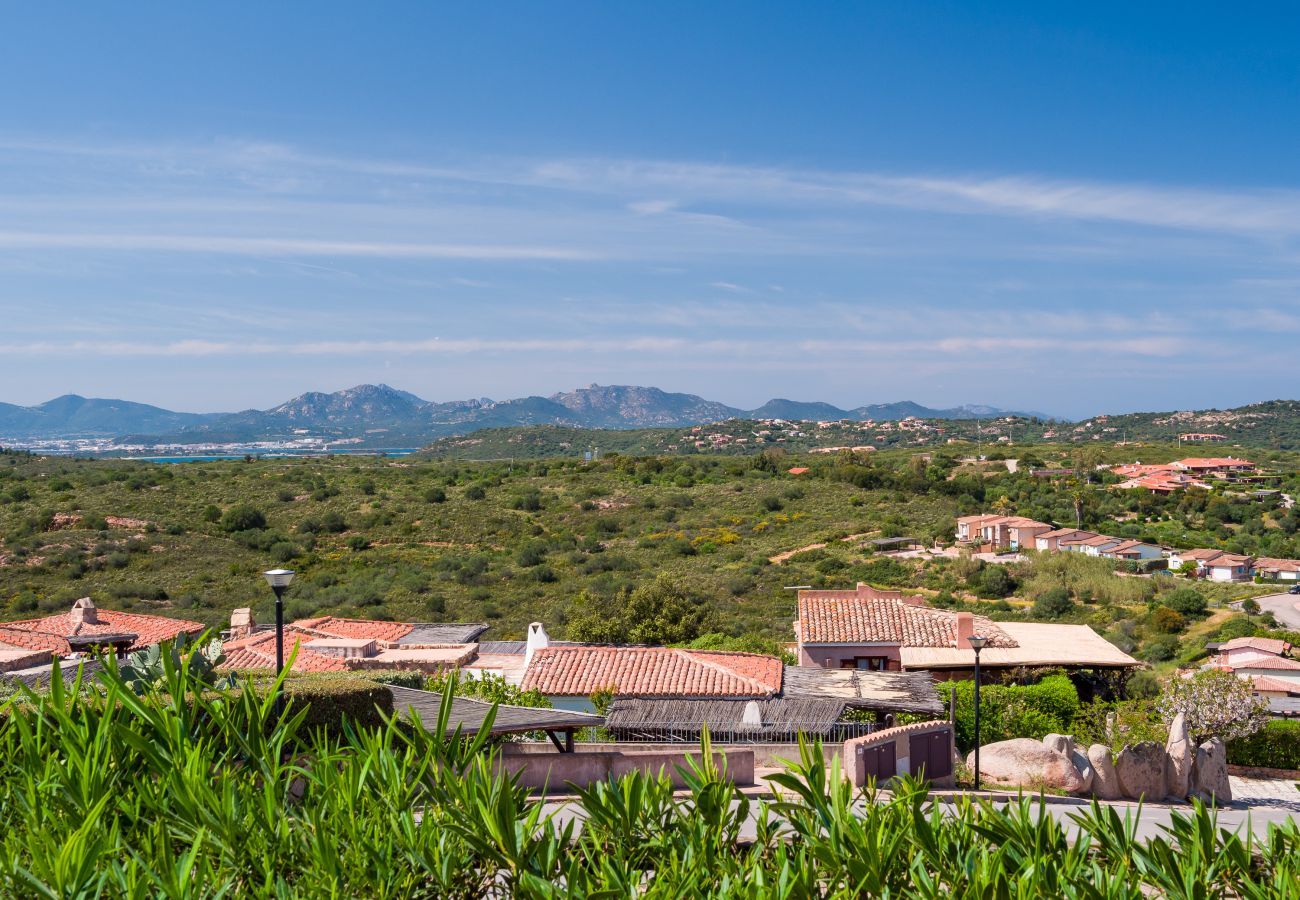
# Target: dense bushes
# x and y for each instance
(141, 796)
(1277, 746)
(1011, 711)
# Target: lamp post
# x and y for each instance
(977, 644)
(279, 580)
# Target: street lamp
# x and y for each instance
(977, 644)
(279, 580)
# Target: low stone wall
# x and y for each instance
(542, 768)
(766, 756)
(854, 750)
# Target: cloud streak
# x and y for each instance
(264, 246)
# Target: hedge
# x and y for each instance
(1012, 711)
(332, 701)
(1277, 746)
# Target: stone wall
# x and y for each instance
(539, 769)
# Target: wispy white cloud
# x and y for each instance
(266, 246)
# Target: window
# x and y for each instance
(870, 663)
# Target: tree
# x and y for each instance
(1215, 704)
(1250, 607)
(666, 611)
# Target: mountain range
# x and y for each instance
(382, 416)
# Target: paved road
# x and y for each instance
(1284, 607)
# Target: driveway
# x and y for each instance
(1283, 607)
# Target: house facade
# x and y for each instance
(874, 630)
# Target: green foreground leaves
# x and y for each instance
(184, 793)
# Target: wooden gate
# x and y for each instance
(930, 755)
(879, 762)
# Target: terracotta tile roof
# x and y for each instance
(1279, 663)
(258, 652)
(1269, 683)
(355, 628)
(52, 632)
(1062, 532)
(1278, 565)
(1212, 462)
(851, 619)
(652, 672)
(1276, 646)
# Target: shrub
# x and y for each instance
(1159, 649)
(332, 702)
(1165, 621)
(1215, 704)
(243, 517)
(1187, 601)
(475, 492)
(1011, 711)
(1275, 746)
(996, 581)
(435, 495)
(358, 542)
(1250, 606)
(1053, 604)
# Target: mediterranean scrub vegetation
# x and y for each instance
(183, 791)
(565, 543)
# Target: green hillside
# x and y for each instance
(627, 548)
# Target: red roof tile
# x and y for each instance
(52, 632)
(1276, 646)
(1269, 683)
(258, 652)
(356, 628)
(652, 672)
(831, 617)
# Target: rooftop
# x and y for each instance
(1035, 644)
(652, 672)
(85, 623)
(866, 615)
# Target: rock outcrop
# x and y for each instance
(1027, 763)
(1105, 780)
(1209, 781)
(1181, 754)
(1064, 744)
(1141, 770)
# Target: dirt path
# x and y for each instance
(783, 556)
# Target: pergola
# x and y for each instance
(468, 717)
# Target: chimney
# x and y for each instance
(965, 628)
(538, 639)
(84, 613)
(241, 623)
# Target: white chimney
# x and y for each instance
(84, 612)
(538, 639)
(241, 623)
(752, 716)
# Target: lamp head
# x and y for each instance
(977, 642)
(278, 579)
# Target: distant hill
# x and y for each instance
(628, 406)
(75, 416)
(380, 416)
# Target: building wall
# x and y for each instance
(572, 704)
(553, 771)
(816, 655)
(1290, 675)
(854, 750)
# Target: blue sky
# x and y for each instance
(1071, 210)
